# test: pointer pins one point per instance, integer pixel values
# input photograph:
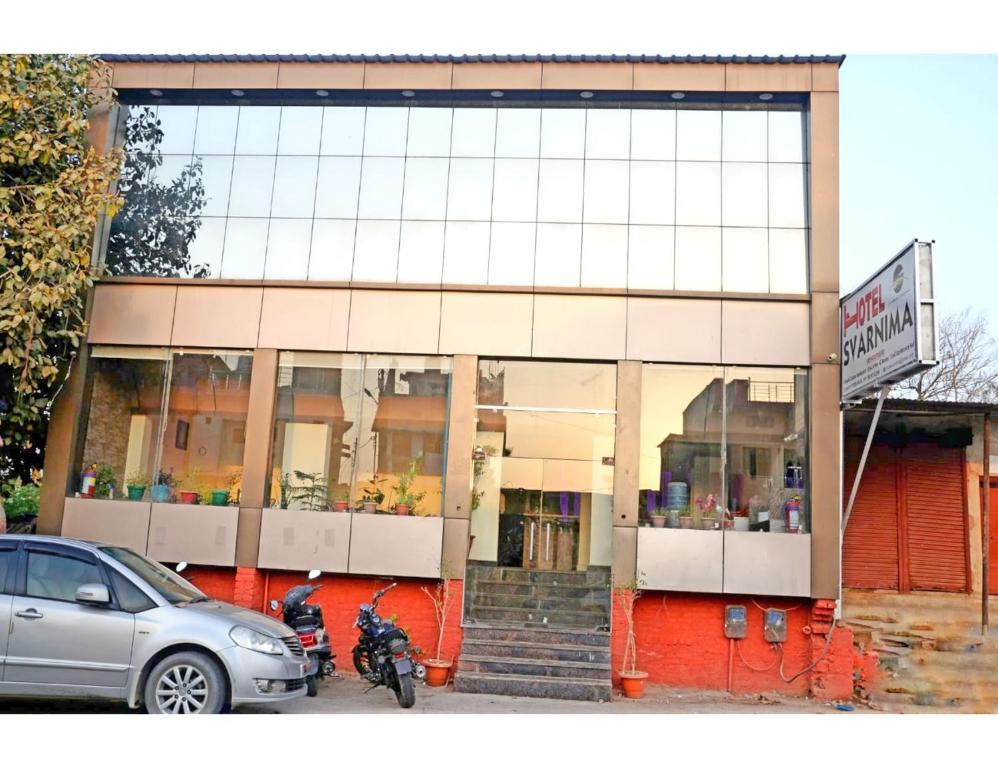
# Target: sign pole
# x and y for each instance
(866, 452)
(985, 525)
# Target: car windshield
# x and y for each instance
(173, 588)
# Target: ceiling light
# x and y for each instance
(322, 92)
(765, 96)
(496, 94)
(586, 94)
(678, 95)
(237, 92)
(408, 94)
(156, 92)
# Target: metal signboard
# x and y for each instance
(888, 324)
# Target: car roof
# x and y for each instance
(90, 546)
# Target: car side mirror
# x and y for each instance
(93, 594)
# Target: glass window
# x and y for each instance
(252, 184)
(167, 583)
(178, 124)
(698, 194)
(135, 132)
(744, 136)
(257, 131)
(385, 131)
(338, 187)
(130, 598)
(518, 133)
(429, 132)
(466, 253)
(331, 255)
(788, 260)
(287, 249)
(381, 188)
(216, 130)
(474, 133)
(425, 193)
(301, 129)
(469, 196)
(514, 195)
(680, 470)
(559, 254)
(608, 134)
(604, 255)
(204, 249)
(123, 418)
(766, 434)
(786, 137)
(650, 257)
(294, 187)
(787, 195)
(653, 192)
(205, 433)
(559, 196)
(376, 255)
(746, 263)
(698, 258)
(511, 259)
(7, 559)
(245, 248)
(421, 252)
(606, 192)
(743, 187)
(342, 131)
(216, 178)
(698, 134)
(653, 134)
(55, 577)
(563, 133)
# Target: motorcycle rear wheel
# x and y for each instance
(404, 691)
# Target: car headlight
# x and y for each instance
(255, 641)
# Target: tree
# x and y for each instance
(968, 363)
(53, 188)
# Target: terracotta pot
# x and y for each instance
(437, 672)
(633, 684)
(402, 509)
(340, 506)
(370, 506)
(658, 521)
(686, 521)
(188, 497)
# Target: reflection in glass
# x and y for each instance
(257, 131)
(698, 194)
(429, 132)
(205, 248)
(173, 171)
(511, 259)
(287, 249)
(425, 194)
(421, 252)
(786, 137)
(466, 253)
(177, 124)
(744, 195)
(376, 254)
(606, 190)
(650, 257)
(746, 266)
(698, 134)
(787, 195)
(216, 130)
(744, 136)
(385, 131)
(338, 187)
(514, 195)
(300, 131)
(559, 196)
(332, 250)
(608, 134)
(653, 134)
(294, 187)
(474, 132)
(563, 133)
(653, 192)
(342, 131)
(252, 184)
(604, 255)
(558, 258)
(469, 197)
(245, 248)
(788, 260)
(698, 258)
(518, 133)
(217, 175)
(381, 188)
(134, 134)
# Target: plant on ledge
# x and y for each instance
(136, 483)
(631, 680)
(372, 495)
(406, 497)
(311, 491)
(437, 668)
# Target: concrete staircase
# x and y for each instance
(932, 653)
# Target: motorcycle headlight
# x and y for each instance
(255, 641)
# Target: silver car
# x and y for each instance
(87, 620)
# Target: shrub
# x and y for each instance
(22, 502)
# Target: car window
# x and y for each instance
(55, 577)
(172, 587)
(130, 598)
(7, 559)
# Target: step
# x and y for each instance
(528, 617)
(497, 587)
(496, 665)
(576, 689)
(528, 602)
(515, 649)
(540, 635)
(567, 578)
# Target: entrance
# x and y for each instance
(992, 536)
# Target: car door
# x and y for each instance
(57, 646)
(8, 561)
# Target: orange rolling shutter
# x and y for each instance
(870, 549)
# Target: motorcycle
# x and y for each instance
(306, 620)
(382, 654)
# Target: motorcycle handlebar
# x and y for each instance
(381, 592)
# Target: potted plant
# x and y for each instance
(235, 484)
(372, 495)
(310, 492)
(21, 506)
(631, 679)
(658, 517)
(220, 497)
(341, 501)
(190, 487)
(162, 488)
(137, 483)
(437, 668)
(407, 497)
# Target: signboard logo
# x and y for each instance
(898, 278)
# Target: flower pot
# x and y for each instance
(658, 521)
(219, 498)
(437, 671)
(136, 492)
(633, 684)
(188, 497)
(741, 523)
(340, 506)
(402, 509)
(707, 523)
(370, 506)
(160, 493)
(686, 521)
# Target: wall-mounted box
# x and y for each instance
(296, 540)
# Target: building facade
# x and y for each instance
(537, 326)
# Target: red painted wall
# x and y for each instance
(214, 582)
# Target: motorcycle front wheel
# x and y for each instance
(404, 691)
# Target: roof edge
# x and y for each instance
(466, 58)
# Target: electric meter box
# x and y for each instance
(774, 627)
(735, 621)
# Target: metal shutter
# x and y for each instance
(870, 549)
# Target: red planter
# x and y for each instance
(633, 684)
(402, 509)
(437, 672)
(340, 506)
(188, 497)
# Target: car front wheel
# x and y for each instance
(186, 683)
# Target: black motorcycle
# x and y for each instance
(382, 654)
(306, 620)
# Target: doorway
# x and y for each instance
(992, 535)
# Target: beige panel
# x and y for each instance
(461, 436)
(320, 74)
(674, 330)
(254, 74)
(486, 324)
(248, 537)
(394, 321)
(304, 318)
(748, 337)
(259, 429)
(825, 77)
(431, 75)
(825, 479)
(825, 192)
(627, 444)
(197, 534)
(122, 523)
(296, 540)
(680, 560)
(767, 564)
(594, 76)
(513, 75)
(625, 552)
(455, 549)
(768, 77)
(153, 75)
(678, 77)
(824, 326)
(217, 316)
(588, 327)
(132, 314)
(396, 545)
